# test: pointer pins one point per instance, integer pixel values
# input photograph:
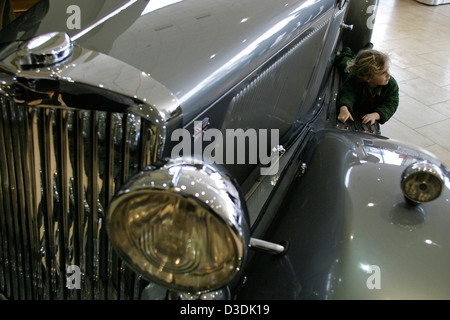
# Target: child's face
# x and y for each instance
(380, 78)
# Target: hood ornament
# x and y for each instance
(45, 50)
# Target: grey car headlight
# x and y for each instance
(183, 225)
(422, 182)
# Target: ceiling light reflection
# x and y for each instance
(157, 4)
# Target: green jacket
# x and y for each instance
(355, 95)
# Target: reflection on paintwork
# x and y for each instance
(154, 5)
(103, 20)
(386, 156)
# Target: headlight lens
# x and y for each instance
(422, 182)
(182, 225)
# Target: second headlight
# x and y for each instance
(422, 182)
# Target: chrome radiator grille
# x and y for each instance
(59, 168)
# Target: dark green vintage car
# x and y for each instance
(189, 149)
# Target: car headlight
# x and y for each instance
(422, 182)
(183, 225)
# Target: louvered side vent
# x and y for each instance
(59, 169)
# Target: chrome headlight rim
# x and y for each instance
(422, 181)
(227, 216)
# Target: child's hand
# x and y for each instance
(344, 114)
(371, 117)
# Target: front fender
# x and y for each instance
(351, 234)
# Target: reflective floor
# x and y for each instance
(417, 38)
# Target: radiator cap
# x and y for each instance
(45, 50)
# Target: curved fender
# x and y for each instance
(351, 234)
(360, 14)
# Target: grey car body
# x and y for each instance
(77, 129)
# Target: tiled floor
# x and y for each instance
(417, 38)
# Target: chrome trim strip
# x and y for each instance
(269, 247)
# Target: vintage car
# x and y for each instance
(189, 149)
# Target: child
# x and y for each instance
(369, 93)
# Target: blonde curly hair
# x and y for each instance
(366, 63)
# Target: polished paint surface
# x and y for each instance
(336, 245)
(197, 49)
